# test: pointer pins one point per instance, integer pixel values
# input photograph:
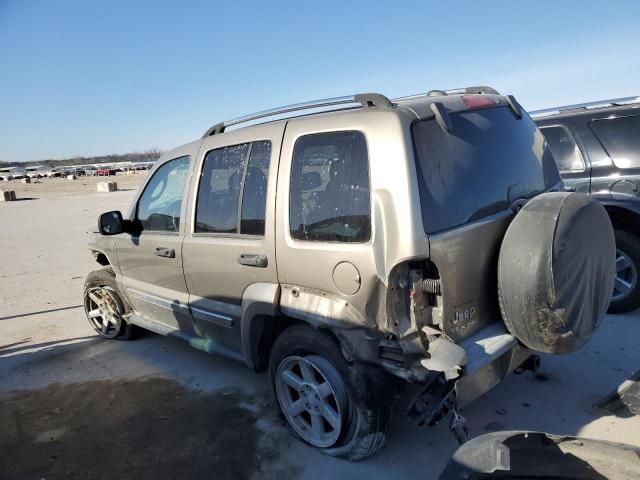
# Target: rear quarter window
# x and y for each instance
(620, 137)
(329, 194)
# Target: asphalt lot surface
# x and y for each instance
(73, 406)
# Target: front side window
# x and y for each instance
(161, 202)
(329, 197)
(564, 149)
(621, 139)
(233, 181)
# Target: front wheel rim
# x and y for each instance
(102, 309)
(626, 277)
(312, 397)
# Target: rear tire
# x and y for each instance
(627, 284)
(105, 307)
(362, 430)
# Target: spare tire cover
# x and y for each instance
(555, 271)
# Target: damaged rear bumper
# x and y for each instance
(492, 353)
(488, 356)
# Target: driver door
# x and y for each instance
(151, 262)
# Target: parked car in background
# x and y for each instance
(12, 173)
(37, 171)
(597, 148)
(358, 251)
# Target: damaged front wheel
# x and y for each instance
(104, 307)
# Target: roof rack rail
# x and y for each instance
(457, 91)
(366, 100)
(453, 91)
(547, 112)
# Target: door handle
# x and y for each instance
(569, 188)
(253, 260)
(165, 252)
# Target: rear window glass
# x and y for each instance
(621, 139)
(564, 149)
(489, 160)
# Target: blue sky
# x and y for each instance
(79, 77)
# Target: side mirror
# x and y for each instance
(310, 181)
(111, 223)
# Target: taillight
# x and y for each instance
(478, 101)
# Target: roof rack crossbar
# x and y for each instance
(365, 100)
(588, 105)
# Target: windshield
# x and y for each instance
(488, 160)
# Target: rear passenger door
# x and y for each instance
(571, 162)
(324, 230)
(229, 250)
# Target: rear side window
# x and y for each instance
(161, 202)
(621, 139)
(329, 195)
(254, 192)
(564, 149)
(233, 185)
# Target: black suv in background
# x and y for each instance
(597, 148)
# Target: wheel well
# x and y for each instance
(101, 258)
(622, 218)
(372, 386)
(273, 327)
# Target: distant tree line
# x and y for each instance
(147, 155)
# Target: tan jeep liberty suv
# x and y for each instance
(356, 246)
